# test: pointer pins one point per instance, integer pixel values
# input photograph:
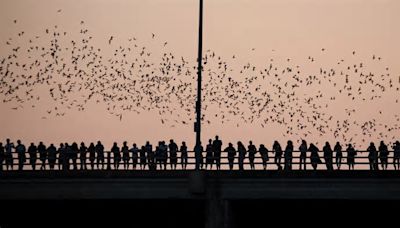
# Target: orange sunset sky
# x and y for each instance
(254, 31)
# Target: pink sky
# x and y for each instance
(278, 29)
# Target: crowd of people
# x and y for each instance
(73, 156)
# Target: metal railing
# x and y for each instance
(361, 162)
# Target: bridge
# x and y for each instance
(217, 194)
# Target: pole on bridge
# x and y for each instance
(197, 124)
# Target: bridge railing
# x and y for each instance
(361, 162)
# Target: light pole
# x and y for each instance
(197, 124)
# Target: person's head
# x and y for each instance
(184, 143)
(125, 143)
(397, 143)
(327, 144)
(372, 144)
(382, 143)
(115, 144)
(290, 143)
(98, 142)
(147, 142)
(216, 137)
(262, 146)
(61, 145)
(171, 141)
(82, 144)
(239, 143)
(134, 145)
(210, 141)
(19, 142)
(51, 145)
(8, 140)
(303, 141)
(251, 142)
(230, 145)
(91, 144)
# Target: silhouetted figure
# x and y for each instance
(52, 156)
(61, 157)
(42, 155)
(92, 155)
(83, 155)
(108, 160)
(209, 154)
(66, 157)
(159, 159)
(242, 154)
(314, 156)
(264, 156)
(372, 156)
(351, 154)
(184, 155)
(339, 154)
(396, 155)
(125, 155)
(32, 151)
(116, 155)
(328, 156)
(21, 150)
(231, 155)
(2, 156)
(151, 156)
(303, 155)
(288, 155)
(135, 155)
(198, 151)
(252, 154)
(217, 147)
(278, 154)
(100, 155)
(173, 154)
(9, 155)
(164, 154)
(383, 155)
(74, 155)
(143, 157)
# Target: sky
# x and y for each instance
(254, 31)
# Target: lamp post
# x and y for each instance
(197, 124)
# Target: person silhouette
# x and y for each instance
(314, 156)
(184, 155)
(278, 154)
(328, 156)
(159, 155)
(231, 155)
(217, 147)
(21, 150)
(9, 155)
(143, 157)
(92, 155)
(198, 151)
(151, 156)
(164, 154)
(209, 154)
(61, 157)
(396, 155)
(32, 151)
(242, 154)
(288, 155)
(264, 156)
(303, 155)
(173, 154)
(42, 155)
(351, 154)
(74, 155)
(339, 154)
(52, 156)
(252, 154)
(372, 156)
(82, 155)
(67, 155)
(125, 155)
(135, 155)
(100, 155)
(2, 156)
(116, 155)
(383, 155)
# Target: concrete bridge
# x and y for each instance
(216, 191)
